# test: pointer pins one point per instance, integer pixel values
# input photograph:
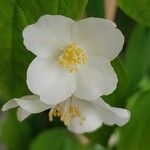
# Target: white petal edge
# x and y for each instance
(22, 114)
(98, 37)
(53, 83)
(97, 112)
(30, 104)
(48, 35)
(10, 105)
(93, 120)
(111, 115)
(95, 79)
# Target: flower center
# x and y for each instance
(66, 114)
(72, 57)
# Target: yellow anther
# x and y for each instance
(72, 57)
(66, 114)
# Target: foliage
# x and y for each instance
(138, 128)
(65, 141)
(137, 9)
(14, 134)
(138, 55)
(132, 68)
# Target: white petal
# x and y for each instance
(98, 37)
(31, 104)
(22, 114)
(92, 122)
(9, 105)
(48, 35)
(95, 79)
(51, 82)
(112, 115)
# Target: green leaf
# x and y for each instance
(15, 16)
(139, 10)
(14, 58)
(136, 134)
(15, 135)
(71, 8)
(56, 139)
(95, 8)
(138, 55)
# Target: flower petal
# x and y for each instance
(48, 35)
(112, 115)
(95, 79)
(30, 104)
(53, 83)
(10, 105)
(92, 119)
(98, 37)
(22, 114)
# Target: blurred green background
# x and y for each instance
(132, 67)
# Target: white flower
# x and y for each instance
(73, 58)
(79, 115)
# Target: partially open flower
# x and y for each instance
(79, 115)
(73, 58)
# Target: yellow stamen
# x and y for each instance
(66, 115)
(72, 57)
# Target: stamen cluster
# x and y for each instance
(72, 57)
(66, 113)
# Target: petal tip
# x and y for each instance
(9, 105)
(125, 118)
(3, 108)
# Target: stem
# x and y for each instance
(110, 9)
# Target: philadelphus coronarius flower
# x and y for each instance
(73, 58)
(71, 71)
(79, 115)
